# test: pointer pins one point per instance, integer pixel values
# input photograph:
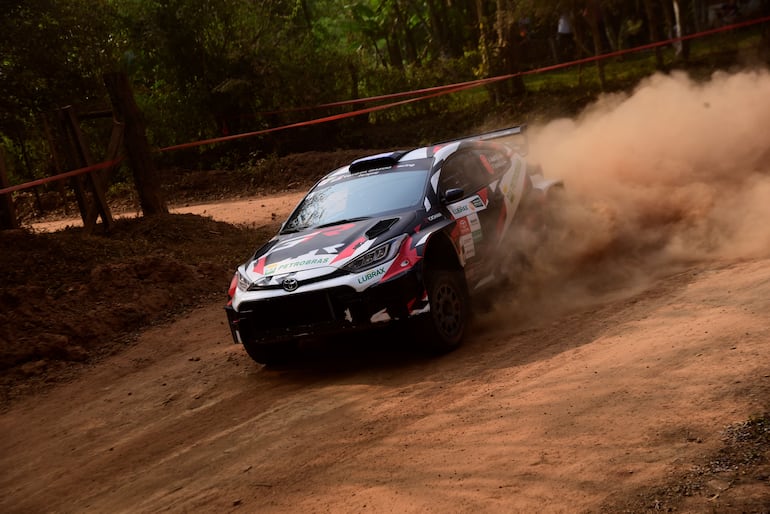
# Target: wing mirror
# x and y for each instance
(452, 195)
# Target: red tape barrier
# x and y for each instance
(431, 93)
(354, 101)
(455, 88)
(61, 176)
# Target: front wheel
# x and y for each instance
(270, 354)
(446, 323)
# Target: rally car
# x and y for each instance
(405, 235)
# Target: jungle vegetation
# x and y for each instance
(201, 69)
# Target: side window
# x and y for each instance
(464, 170)
(496, 161)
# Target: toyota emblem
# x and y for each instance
(290, 284)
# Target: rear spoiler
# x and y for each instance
(517, 130)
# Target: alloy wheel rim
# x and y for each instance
(448, 310)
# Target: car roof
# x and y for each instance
(386, 160)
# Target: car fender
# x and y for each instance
(442, 238)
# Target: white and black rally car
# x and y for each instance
(400, 235)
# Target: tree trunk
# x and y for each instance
(411, 47)
(609, 30)
(508, 48)
(7, 211)
(653, 24)
(764, 42)
(440, 30)
(140, 160)
(484, 51)
(394, 49)
(594, 18)
(681, 27)
(306, 14)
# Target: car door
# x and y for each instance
(477, 212)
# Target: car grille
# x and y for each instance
(298, 310)
(325, 311)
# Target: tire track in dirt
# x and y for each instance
(557, 414)
(637, 337)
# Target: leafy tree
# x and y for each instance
(201, 68)
(51, 54)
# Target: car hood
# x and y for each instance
(329, 248)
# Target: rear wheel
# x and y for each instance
(270, 354)
(446, 324)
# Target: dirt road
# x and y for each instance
(607, 383)
(548, 407)
(249, 211)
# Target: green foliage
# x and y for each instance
(201, 69)
(51, 55)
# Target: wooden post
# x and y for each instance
(89, 188)
(114, 148)
(96, 205)
(137, 148)
(55, 160)
(7, 211)
(71, 161)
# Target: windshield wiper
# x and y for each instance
(293, 230)
(340, 222)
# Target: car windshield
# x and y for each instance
(358, 197)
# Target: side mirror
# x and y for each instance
(452, 195)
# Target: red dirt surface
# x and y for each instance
(628, 371)
(567, 410)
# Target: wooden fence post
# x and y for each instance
(135, 140)
(56, 161)
(90, 188)
(7, 211)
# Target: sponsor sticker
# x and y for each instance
(458, 210)
(297, 264)
(371, 274)
(464, 226)
(467, 246)
(467, 206)
(475, 224)
(473, 220)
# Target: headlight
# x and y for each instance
(243, 282)
(372, 258)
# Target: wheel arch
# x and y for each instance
(441, 254)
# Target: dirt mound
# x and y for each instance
(68, 297)
(618, 378)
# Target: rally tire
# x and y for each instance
(445, 326)
(271, 354)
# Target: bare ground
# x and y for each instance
(650, 399)
(628, 371)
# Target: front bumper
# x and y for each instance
(325, 312)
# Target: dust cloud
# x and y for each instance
(674, 173)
